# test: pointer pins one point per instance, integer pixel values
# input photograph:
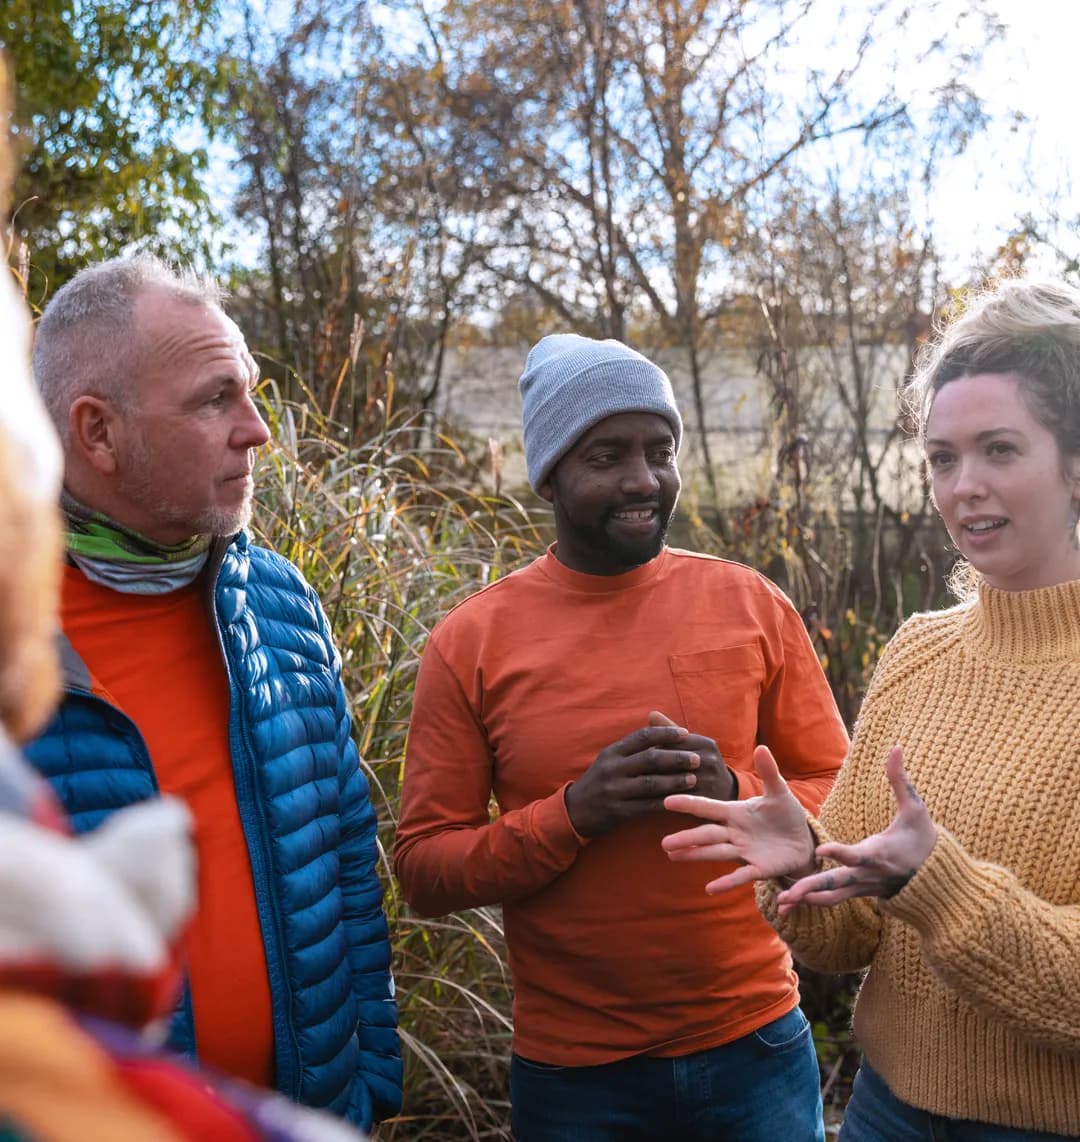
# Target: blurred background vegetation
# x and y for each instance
(384, 185)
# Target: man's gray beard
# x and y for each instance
(220, 522)
(213, 522)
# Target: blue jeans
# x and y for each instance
(764, 1087)
(875, 1114)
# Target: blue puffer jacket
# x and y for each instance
(307, 818)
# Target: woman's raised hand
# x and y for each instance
(767, 835)
(881, 864)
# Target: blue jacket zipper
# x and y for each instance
(286, 1048)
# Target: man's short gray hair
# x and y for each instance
(86, 344)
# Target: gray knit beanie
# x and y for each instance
(571, 383)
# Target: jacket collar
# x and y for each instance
(75, 675)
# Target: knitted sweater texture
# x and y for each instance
(971, 1005)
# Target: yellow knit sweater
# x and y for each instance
(971, 1006)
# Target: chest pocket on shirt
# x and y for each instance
(720, 690)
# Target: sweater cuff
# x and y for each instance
(840, 938)
(551, 819)
(821, 837)
(747, 784)
(945, 891)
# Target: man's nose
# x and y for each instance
(251, 431)
(638, 476)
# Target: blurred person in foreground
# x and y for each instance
(90, 928)
(201, 665)
(579, 691)
(960, 889)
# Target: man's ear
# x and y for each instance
(92, 422)
(546, 491)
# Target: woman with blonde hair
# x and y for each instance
(952, 873)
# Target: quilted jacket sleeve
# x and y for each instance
(365, 920)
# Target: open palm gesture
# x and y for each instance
(767, 834)
(881, 864)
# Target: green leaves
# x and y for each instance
(114, 104)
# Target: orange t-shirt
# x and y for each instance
(157, 658)
(615, 949)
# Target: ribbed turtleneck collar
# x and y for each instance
(600, 584)
(1027, 626)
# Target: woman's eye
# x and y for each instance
(938, 460)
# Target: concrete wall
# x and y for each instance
(479, 392)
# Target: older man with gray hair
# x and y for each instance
(199, 664)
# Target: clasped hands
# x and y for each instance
(768, 836)
(632, 776)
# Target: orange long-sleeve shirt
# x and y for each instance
(615, 950)
(157, 658)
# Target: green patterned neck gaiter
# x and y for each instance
(115, 556)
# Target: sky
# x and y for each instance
(1022, 163)
(1005, 173)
